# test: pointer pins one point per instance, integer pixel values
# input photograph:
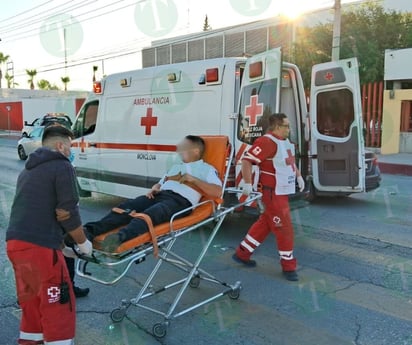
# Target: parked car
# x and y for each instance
(29, 143)
(46, 120)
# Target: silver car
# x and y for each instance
(27, 145)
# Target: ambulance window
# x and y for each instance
(258, 102)
(335, 112)
(86, 120)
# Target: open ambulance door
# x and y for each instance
(336, 143)
(259, 98)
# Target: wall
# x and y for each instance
(391, 124)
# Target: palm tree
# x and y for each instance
(3, 59)
(31, 73)
(94, 72)
(65, 81)
(43, 84)
(9, 78)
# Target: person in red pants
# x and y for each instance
(275, 156)
(34, 241)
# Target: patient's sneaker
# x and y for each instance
(111, 242)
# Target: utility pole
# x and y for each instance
(65, 52)
(336, 31)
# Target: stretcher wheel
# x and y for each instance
(234, 294)
(159, 330)
(118, 314)
(194, 282)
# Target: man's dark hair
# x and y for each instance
(276, 120)
(56, 131)
(197, 141)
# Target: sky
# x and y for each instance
(110, 34)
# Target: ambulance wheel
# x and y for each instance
(159, 330)
(234, 294)
(194, 282)
(22, 154)
(118, 314)
(311, 193)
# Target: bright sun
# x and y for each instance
(294, 8)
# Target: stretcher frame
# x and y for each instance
(165, 243)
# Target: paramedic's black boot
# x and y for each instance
(111, 242)
(79, 292)
(248, 263)
(291, 276)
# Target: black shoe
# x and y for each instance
(291, 276)
(110, 243)
(248, 263)
(78, 292)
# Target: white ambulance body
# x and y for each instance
(127, 131)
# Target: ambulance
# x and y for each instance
(127, 130)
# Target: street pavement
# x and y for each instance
(355, 268)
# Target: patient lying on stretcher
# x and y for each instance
(181, 187)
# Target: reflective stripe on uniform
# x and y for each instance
(286, 255)
(246, 246)
(60, 342)
(31, 336)
(252, 240)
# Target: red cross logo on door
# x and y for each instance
(148, 121)
(329, 76)
(254, 110)
(290, 159)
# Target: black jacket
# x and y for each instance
(47, 182)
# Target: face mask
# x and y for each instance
(71, 157)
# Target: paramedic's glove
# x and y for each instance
(247, 189)
(69, 252)
(86, 247)
(301, 183)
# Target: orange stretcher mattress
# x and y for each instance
(200, 213)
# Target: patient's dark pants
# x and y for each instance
(160, 209)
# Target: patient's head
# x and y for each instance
(191, 148)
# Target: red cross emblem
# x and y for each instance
(290, 159)
(254, 110)
(329, 76)
(148, 121)
(53, 291)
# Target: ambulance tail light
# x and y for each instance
(97, 87)
(256, 70)
(212, 75)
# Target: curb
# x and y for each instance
(395, 169)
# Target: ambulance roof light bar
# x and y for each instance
(211, 76)
(97, 87)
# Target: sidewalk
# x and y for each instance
(396, 164)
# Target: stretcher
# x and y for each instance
(160, 240)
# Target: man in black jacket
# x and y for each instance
(34, 241)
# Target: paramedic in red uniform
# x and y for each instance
(34, 241)
(274, 154)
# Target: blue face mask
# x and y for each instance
(71, 157)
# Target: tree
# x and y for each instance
(65, 81)
(31, 73)
(9, 78)
(43, 84)
(206, 26)
(366, 32)
(3, 59)
(95, 68)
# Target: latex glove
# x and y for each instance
(301, 183)
(86, 247)
(247, 189)
(69, 253)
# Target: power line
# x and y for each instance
(26, 11)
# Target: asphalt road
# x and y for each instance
(355, 268)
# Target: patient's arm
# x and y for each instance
(210, 189)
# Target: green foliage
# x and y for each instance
(366, 32)
(206, 25)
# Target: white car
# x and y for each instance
(29, 144)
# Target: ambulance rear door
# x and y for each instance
(259, 98)
(336, 143)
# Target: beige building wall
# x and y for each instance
(391, 121)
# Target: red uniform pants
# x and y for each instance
(275, 219)
(39, 272)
